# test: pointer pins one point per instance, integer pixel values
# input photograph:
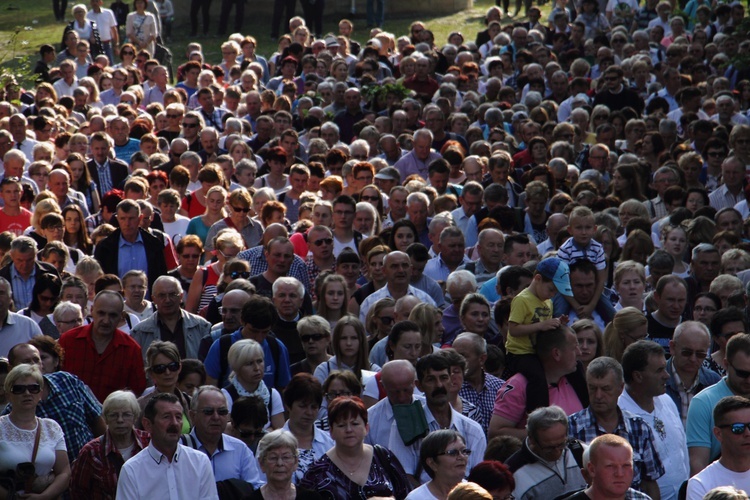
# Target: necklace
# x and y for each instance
(350, 471)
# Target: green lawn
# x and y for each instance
(35, 24)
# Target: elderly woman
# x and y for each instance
(26, 438)
(95, 473)
(302, 399)
(279, 460)
(50, 351)
(163, 368)
(248, 366)
(444, 456)
(352, 469)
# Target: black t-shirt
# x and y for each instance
(659, 333)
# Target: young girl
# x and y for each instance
(332, 302)
(350, 351)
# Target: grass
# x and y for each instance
(34, 22)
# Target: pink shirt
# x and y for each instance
(510, 402)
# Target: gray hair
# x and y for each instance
(23, 244)
(423, 133)
(65, 307)
(202, 390)
(461, 278)
(685, 325)
(411, 199)
(544, 418)
(480, 344)
(314, 324)
(167, 279)
(288, 280)
(274, 440)
(121, 399)
(699, 249)
(602, 366)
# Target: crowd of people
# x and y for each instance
(514, 268)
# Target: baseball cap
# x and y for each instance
(558, 271)
(389, 174)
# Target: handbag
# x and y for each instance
(26, 476)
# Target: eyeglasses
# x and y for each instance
(323, 241)
(315, 337)
(455, 453)
(128, 53)
(240, 209)
(736, 428)
(284, 458)
(330, 396)
(189, 125)
(240, 274)
(174, 116)
(740, 373)
(77, 321)
(166, 296)
(700, 309)
(117, 415)
(160, 369)
(19, 389)
(208, 411)
(249, 434)
(386, 320)
(369, 198)
(689, 353)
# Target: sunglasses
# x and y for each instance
(189, 125)
(240, 209)
(190, 256)
(19, 389)
(174, 116)
(736, 428)
(128, 53)
(386, 320)
(315, 337)
(744, 374)
(172, 367)
(323, 241)
(369, 198)
(210, 411)
(240, 274)
(454, 453)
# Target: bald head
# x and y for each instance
(274, 231)
(398, 380)
(404, 305)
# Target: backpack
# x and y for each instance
(225, 342)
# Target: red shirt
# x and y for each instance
(427, 87)
(120, 366)
(16, 224)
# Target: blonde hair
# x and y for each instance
(626, 319)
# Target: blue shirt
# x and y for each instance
(132, 256)
(232, 459)
(23, 288)
(16, 329)
(125, 151)
(213, 364)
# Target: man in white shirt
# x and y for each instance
(68, 83)
(166, 469)
(645, 372)
(731, 469)
(398, 378)
(731, 191)
(107, 25)
(471, 202)
(17, 127)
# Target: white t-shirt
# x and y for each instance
(421, 493)
(17, 445)
(716, 475)
(177, 229)
(105, 21)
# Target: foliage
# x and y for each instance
(15, 62)
(376, 92)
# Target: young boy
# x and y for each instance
(530, 315)
(581, 245)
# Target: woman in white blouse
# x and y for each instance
(140, 27)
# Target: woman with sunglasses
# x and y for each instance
(127, 56)
(248, 366)
(163, 368)
(444, 456)
(315, 335)
(239, 206)
(26, 438)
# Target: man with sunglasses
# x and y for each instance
(104, 357)
(703, 444)
(615, 95)
(320, 243)
(687, 375)
(731, 428)
(230, 458)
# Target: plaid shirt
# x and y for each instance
(23, 288)
(484, 400)
(73, 406)
(214, 119)
(93, 221)
(105, 177)
(313, 270)
(583, 426)
(94, 475)
(259, 265)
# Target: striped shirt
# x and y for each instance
(571, 252)
(105, 177)
(23, 288)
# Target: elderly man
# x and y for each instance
(557, 350)
(351, 114)
(555, 224)
(451, 255)
(433, 378)
(104, 357)
(17, 125)
(105, 172)
(14, 162)
(687, 375)
(170, 322)
(258, 317)
(731, 415)
(731, 190)
(609, 464)
(132, 247)
(546, 467)
(398, 378)
(65, 399)
(16, 328)
(703, 445)
(231, 308)
(470, 201)
(279, 254)
(605, 382)
(418, 160)
(490, 248)
(417, 208)
(645, 372)
(704, 267)
(288, 295)
(397, 274)
(23, 269)
(68, 81)
(160, 77)
(59, 184)
(230, 458)
(479, 387)
(166, 469)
